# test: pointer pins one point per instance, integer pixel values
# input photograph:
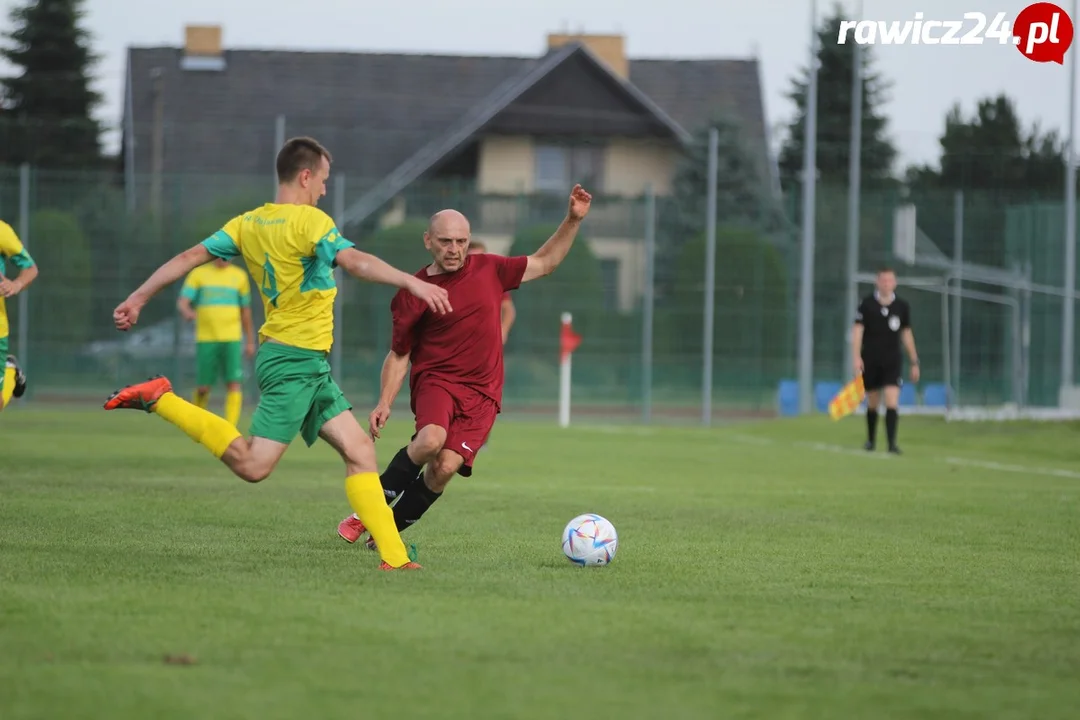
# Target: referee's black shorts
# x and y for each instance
(880, 373)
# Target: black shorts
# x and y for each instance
(878, 374)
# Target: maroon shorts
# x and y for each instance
(466, 414)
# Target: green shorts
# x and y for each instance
(297, 394)
(3, 360)
(215, 360)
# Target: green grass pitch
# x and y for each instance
(768, 570)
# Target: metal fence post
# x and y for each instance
(279, 141)
(957, 314)
(339, 277)
(24, 236)
(710, 279)
(806, 285)
(648, 302)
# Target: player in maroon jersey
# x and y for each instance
(456, 377)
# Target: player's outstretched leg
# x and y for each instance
(156, 396)
(14, 384)
(250, 461)
(362, 487)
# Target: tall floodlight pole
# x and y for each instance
(854, 191)
(1070, 233)
(708, 331)
(806, 291)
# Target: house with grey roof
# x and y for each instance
(503, 127)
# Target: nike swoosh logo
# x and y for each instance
(466, 447)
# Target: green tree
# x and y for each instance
(991, 150)
(752, 337)
(834, 85)
(742, 195)
(48, 107)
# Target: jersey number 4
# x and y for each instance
(269, 282)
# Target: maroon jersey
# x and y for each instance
(464, 346)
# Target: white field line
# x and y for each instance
(744, 439)
(962, 462)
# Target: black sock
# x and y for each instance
(414, 503)
(892, 419)
(871, 426)
(399, 474)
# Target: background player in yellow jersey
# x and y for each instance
(12, 381)
(217, 297)
(291, 248)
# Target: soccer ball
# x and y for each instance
(590, 540)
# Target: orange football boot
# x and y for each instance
(141, 396)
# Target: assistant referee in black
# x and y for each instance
(882, 323)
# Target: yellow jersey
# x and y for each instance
(218, 295)
(290, 251)
(10, 250)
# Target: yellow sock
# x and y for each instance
(234, 403)
(368, 501)
(202, 426)
(9, 387)
(201, 399)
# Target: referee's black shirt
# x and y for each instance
(882, 325)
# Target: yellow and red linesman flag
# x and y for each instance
(848, 399)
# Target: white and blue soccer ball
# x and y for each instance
(590, 540)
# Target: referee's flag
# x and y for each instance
(848, 399)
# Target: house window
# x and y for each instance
(558, 167)
(609, 281)
(552, 168)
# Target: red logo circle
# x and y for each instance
(1043, 32)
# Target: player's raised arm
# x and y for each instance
(127, 313)
(553, 252)
(366, 266)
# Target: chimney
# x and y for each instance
(611, 49)
(202, 48)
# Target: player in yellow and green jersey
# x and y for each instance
(217, 297)
(13, 381)
(291, 249)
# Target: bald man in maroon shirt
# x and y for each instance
(456, 377)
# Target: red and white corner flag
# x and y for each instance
(568, 343)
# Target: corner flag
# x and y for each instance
(568, 339)
(568, 343)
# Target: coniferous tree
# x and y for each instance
(47, 107)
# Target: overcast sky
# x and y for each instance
(926, 80)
